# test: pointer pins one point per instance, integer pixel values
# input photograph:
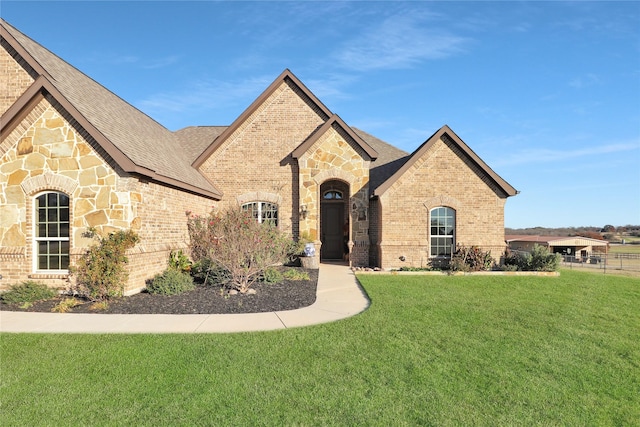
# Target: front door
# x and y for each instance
(332, 231)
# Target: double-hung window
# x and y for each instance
(52, 232)
(442, 231)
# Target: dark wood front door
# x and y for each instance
(332, 235)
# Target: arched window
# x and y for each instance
(51, 243)
(332, 195)
(263, 212)
(442, 231)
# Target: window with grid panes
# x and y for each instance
(442, 231)
(52, 232)
(263, 212)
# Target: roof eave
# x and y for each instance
(39, 90)
(22, 52)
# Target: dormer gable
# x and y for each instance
(344, 130)
(446, 134)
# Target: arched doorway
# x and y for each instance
(334, 220)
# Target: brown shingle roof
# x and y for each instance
(141, 145)
(195, 139)
(389, 160)
(133, 137)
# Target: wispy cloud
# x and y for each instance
(586, 80)
(522, 27)
(110, 59)
(161, 62)
(210, 94)
(545, 155)
(332, 86)
(400, 41)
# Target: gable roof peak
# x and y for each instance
(330, 122)
(136, 142)
(285, 76)
(457, 141)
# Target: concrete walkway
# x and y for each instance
(338, 296)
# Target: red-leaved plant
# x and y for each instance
(235, 242)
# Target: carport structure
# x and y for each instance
(576, 248)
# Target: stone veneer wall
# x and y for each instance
(49, 151)
(254, 164)
(331, 157)
(442, 177)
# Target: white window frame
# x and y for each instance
(261, 208)
(446, 225)
(61, 239)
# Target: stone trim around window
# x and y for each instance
(261, 196)
(444, 201)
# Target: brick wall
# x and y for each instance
(14, 77)
(255, 159)
(442, 177)
(161, 223)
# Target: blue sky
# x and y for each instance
(547, 93)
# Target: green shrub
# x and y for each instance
(170, 282)
(293, 274)
(99, 306)
(100, 272)
(66, 305)
(406, 268)
(516, 261)
(470, 259)
(28, 292)
(539, 259)
(179, 261)
(510, 268)
(272, 275)
(209, 273)
(295, 248)
(542, 260)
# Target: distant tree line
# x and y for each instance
(608, 232)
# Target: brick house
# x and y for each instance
(73, 155)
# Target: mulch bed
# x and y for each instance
(286, 295)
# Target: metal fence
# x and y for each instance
(604, 261)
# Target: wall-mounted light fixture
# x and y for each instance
(303, 211)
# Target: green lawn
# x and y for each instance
(625, 249)
(431, 350)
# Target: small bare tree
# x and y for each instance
(234, 241)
